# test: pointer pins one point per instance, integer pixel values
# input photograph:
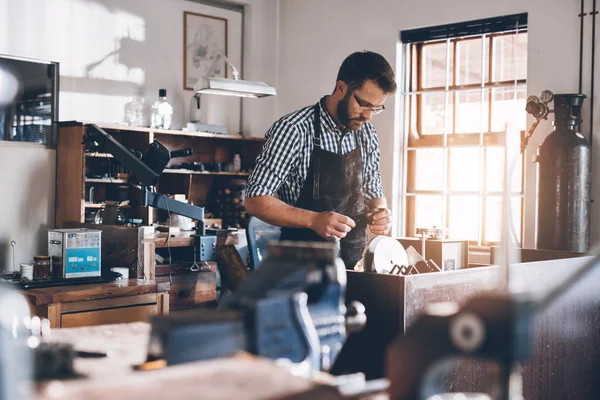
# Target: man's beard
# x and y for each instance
(343, 114)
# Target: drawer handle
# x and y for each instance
(183, 293)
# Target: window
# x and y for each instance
(463, 84)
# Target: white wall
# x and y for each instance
(315, 36)
(261, 61)
(110, 50)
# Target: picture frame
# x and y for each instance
(204, 36)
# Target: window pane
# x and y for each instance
(470, 115)
(428, 211)
(434, 115)
(464, 169)
(429, 169)
(463, 213)
(493, 217)
(469, 62)
(434, 65)
(509, 57)
(494, 171)
(411, 103)
(508, 104)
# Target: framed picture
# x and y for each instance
(204, 37)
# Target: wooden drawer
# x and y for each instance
(109, 316)
(192, 290)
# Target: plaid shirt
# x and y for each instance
(283, 164)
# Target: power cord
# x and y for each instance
(168, 236)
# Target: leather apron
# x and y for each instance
(334, 182)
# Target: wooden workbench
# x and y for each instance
(113, 377)
(96, 304)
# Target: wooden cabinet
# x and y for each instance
(86, 179)
(98, 304)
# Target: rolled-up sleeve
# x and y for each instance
(275, 161)
(372, 179)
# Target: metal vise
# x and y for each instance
(493, 326)
(292, 307)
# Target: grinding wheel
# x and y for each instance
(383, 254)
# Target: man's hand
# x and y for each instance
(329, 223)
(380, 221)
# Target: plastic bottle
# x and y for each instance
(162, 111)
(237, 163)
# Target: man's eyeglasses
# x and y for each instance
(361, 103)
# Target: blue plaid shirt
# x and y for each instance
(282, 166)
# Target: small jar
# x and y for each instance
(26, 272)
(41, 268)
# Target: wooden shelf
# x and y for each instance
(123, 127)
(182, 239)
(190, 172)
(101, 205)
(99, 155)
(74, 164)
(104, 180)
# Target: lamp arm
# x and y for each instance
(234, 71)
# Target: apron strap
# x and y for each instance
(316, 150)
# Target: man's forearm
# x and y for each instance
(275, 212)
(378, 202)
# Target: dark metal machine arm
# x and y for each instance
(162, 202)
(107, 144)
(146, 175)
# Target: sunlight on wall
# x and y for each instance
(92, 107)
(99, 40)
(97, 47)
(87, 30)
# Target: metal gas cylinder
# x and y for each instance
(564, 180)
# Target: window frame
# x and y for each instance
(414, 138)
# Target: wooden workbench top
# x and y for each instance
(65, 294)
(113, 377)
(181, 239)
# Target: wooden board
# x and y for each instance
(232, 267)
(191, 290)
(69, 176)
(115, 128)
(161, 240)
(532, 255)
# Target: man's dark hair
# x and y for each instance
(365, 65)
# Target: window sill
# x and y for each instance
(28, 145)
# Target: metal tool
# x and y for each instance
(385, 255)
(77, 252)
(195, 267)
(292, 307)
(13, 244)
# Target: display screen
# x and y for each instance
(28, 100)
